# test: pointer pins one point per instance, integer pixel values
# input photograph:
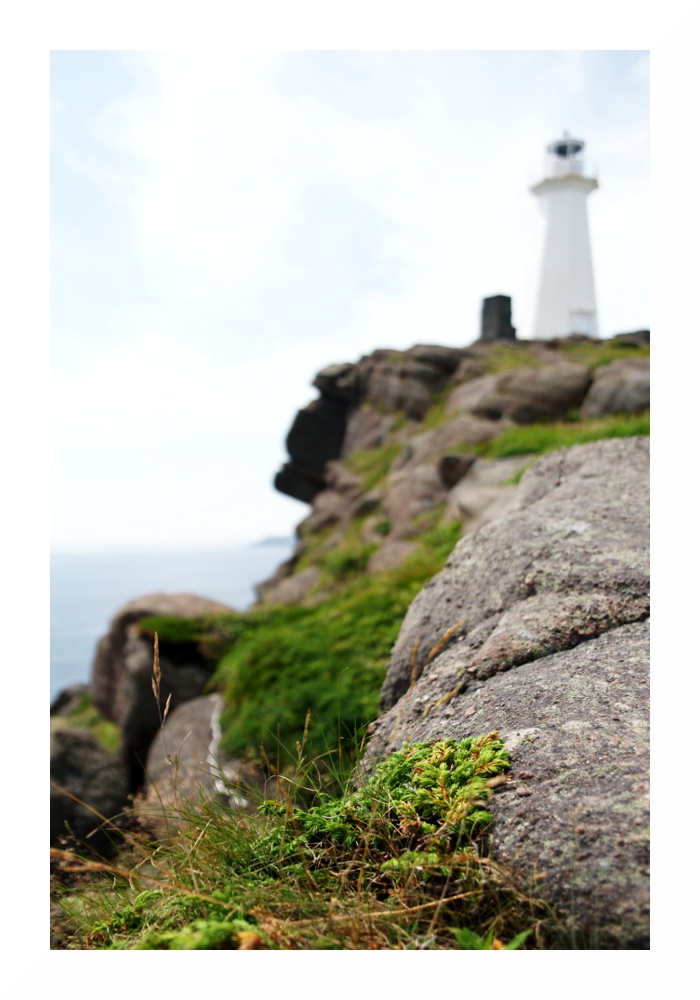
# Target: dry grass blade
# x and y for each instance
(442, 642)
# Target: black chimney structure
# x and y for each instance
(495, 319)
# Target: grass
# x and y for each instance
(373, 464)
(391, 863)
(338, 859)
(86, 716)
(536, 439)
(597, 353)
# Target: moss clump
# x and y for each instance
(425, 797)
(87, 716)
(389, 863)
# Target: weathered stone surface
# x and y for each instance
(430, 446)
(579, 524)
(483, 493)
(84, 769)
(576, 727)
(366, 428)
(185, 762)
(620, 387)
(411, 491)
(123, 667)
(549, 607)
(529, 394)
(338, 382)
(472, 395)
(445, 359)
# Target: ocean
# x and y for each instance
(87, 589)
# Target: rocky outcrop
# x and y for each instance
(88, 786)
(123, 669)
(538, 627)
(393, 380)
(434, 473)
(620, 387)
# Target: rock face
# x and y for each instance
(185, 761)
(432, 409)
(620, 387)
(123, 667)
(87, 772)
(538, 627)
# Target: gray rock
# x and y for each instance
(580, 524)
(123, 668)
(484, 493)
(186, 762)
(88, 785)
(529, 394)
(620, 387)
(445, 359)
(366, 428)
(537, 627)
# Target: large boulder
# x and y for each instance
(528, 394)
(623, 386)
(123, 670)
(88, 786)
(538, 627)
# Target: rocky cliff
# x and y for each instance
(528, 462)
(403, 441)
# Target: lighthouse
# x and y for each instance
(566, 299)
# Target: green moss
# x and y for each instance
(342, 563)
(385, 850)
(87, 716)
(536, 439)
(329, 659)
(172, 629)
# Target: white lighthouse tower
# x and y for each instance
(566, 298)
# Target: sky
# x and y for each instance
(224, 225)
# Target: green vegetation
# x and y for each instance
(87, 716)
(391, 863)
(339, 858)
(597, 353)
(328, 659)
(536, 439)
(373, 464)
(507, 357)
